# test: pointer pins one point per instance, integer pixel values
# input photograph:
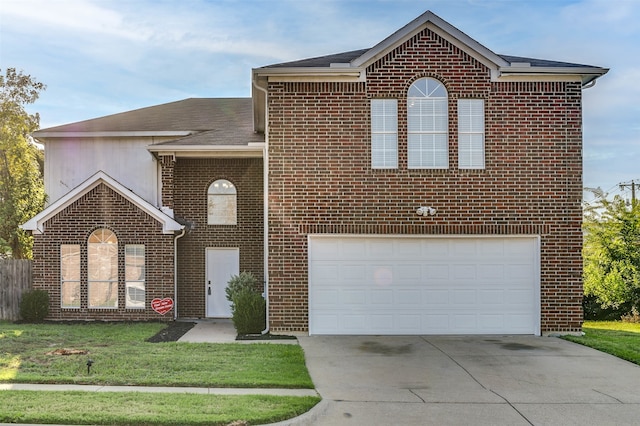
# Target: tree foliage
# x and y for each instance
(21, 184)
(611, 253)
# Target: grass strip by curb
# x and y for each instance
(126, 408)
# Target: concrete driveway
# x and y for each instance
(468, 380)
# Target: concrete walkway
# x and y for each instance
(222, 331)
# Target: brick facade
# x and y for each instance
(321, 180)
(104, 208)
(192, 179)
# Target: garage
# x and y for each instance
(424, 285)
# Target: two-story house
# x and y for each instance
(425, 185)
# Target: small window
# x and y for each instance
(70, 276)
(222, 203)
(134, 272)
(102, 265)
(471, 133)
(384, 133)
(427, 125)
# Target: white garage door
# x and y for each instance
(423, 285)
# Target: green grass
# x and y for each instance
(620, 339)
(130, 408)
(121, 356)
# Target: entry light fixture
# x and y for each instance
(426, 211)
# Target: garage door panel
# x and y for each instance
(435, 297)
(423, 285)
(491, 297)
(491, 272)
(407, 298)
(381, 297)
(435, 272)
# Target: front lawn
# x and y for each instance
(620, 339)
(29, 353)
(120, 354)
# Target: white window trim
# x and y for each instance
(222, 188)
(63, 281)
(471, 134)
(96, 281)
(380, 157)
(142, 282)
(434, 150)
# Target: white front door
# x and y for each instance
(222, 263)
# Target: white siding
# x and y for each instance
(69, 162)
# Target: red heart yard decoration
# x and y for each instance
(162, 306)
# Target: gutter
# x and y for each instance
(175, 272)
(265, 191)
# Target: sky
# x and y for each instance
(101, 57)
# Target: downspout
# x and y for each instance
(265, 191)
(175, 272)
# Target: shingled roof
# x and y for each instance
(196, 121)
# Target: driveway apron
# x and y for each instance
(461, 380)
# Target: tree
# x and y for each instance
(611, 253)
(21, 184)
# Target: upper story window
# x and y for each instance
(384, 133)
(470, 133)
(222, 204)
(427, 125)
(102, 269)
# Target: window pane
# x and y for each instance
(102, 269)
(103, 294)
(471, 134)
(428, 151)
(102, 261)
(70, 275)
(134, 260)
(222, 203)
(384, 133)
(384, 151)
(222, 210)
(427, 124)
(135, 295)
(70, 262)
(70, 294)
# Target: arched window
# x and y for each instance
(102, 268)
(222, 203)
(428, 125)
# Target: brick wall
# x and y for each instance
(104, 208)
(320, 177)
(192, 179)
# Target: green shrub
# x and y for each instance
(248, 307)
(34, 306)
(249, 311)
(239, 283)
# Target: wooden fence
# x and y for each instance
(15, 279)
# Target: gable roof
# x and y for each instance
(358, 60)
(218, 121)
(36, 224)
(352, 65)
